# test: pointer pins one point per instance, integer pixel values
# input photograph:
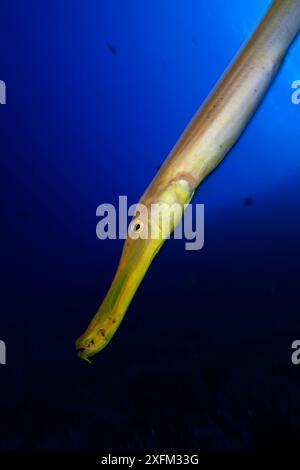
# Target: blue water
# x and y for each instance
(98, 93)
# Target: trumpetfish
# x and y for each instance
(203, 145)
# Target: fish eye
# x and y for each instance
(137, 226)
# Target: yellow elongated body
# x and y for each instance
(205, 142)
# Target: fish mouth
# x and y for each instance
(85, 352)
(100, 330)
(93, 339)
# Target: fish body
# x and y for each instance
(203, 145)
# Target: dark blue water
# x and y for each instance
(98, 92)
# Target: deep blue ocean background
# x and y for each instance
(98, 92)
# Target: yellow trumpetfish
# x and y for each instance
(213, 131)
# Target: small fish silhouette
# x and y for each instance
(248, 201)
(112, 48)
